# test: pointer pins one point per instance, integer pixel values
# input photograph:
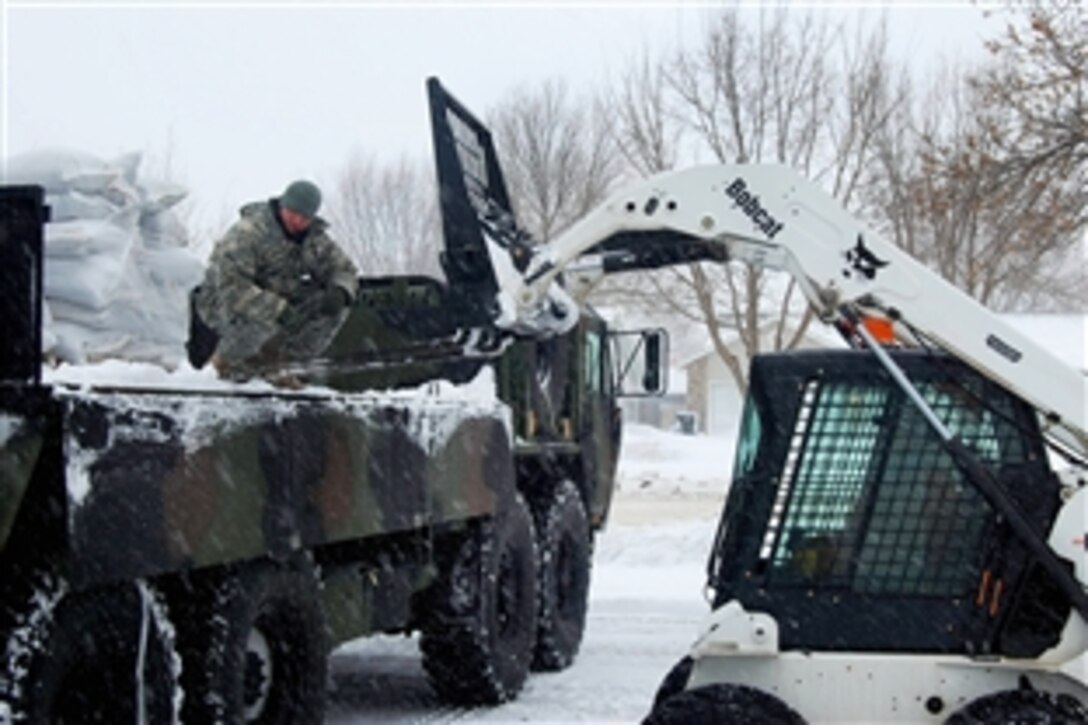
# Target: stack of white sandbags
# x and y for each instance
(118, 267)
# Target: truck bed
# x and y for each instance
(154, 479)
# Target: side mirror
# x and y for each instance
(641, 362)
(651, 376)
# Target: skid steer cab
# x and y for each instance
(859, 575)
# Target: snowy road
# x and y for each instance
(628, 647)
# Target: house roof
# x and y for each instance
(816, 333)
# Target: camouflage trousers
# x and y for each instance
(259, 342)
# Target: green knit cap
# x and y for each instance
(303, 197)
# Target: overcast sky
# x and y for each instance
(247, 96)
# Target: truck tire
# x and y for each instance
(255, 647)
(734, 704)
(675, 681)
(75, 656)
(564, 559)
(1031, 707)
(478, 638)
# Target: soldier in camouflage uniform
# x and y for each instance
(277, 286)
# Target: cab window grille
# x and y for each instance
(927, 519)
(789, 470)
(871, 502)
(828, 461)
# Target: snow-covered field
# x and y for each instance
(645, 604)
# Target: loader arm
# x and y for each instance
(771, 217)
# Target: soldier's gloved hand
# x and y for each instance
(334, 300)
(295, 315)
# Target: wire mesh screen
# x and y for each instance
(870, 501)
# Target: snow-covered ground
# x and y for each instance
(645, 604)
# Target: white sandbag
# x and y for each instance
(77, 344)
(54, 168)
(89, 281)
(75, 205)
(117, 267)
(82, 237)
(157, 194)
(161, 229)
(128, 165)
(67, 344)
(93, 182)
(87, 317)
(117, 191)
(177, 268)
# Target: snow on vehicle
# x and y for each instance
(196, 552)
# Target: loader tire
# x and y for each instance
(564, 555)
(478, 636)
(675, 681)
(733, 704)
(99, 656)
(1025, 707)
(255, 647)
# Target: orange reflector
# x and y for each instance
(995, 603)
(983, 588)
(880, 328)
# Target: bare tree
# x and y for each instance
(787, 88)
(1035, 96)
(386, 216)
(557, 154)
(1039, 80)
(993, 200)
(645, 130)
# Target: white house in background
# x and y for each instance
(712, 392)
(660, 411)
(713, 395)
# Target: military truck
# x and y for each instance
(197, 553)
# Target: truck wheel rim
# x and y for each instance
(258, 674)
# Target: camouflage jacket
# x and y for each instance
(256, 270)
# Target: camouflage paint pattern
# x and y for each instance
(164, 482)
(361, 599)
(19, 451)
(560, 390)
(256, 273)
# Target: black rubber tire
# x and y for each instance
(726, 704)
(478, 636)
(1023, 707)
(674, 682)
(255, 647)
(564, 557)
(75, 655)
